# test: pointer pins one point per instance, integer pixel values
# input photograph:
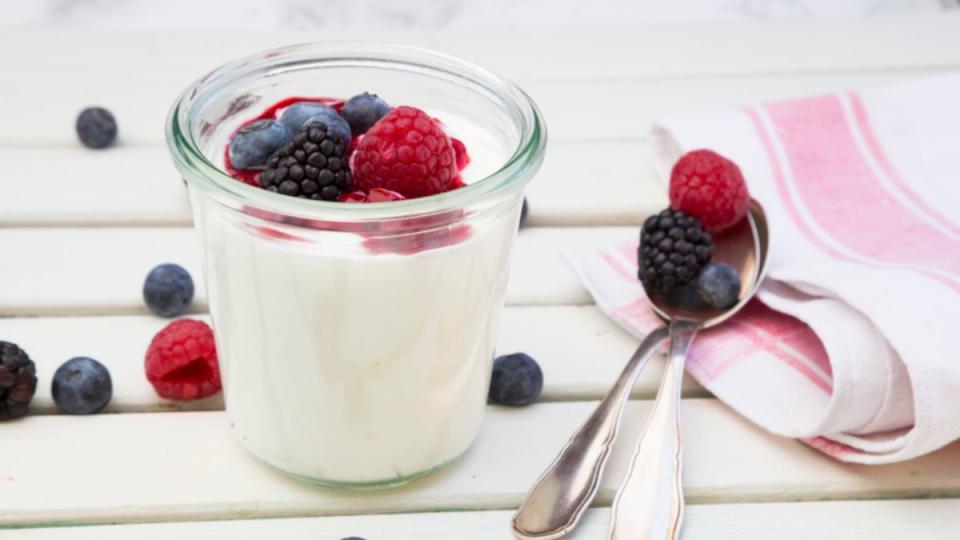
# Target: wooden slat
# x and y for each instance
(187, 466)
(581, 365)
(849, 520)
(583, 109)
(652, 50)
(100, 271)
(139, 186)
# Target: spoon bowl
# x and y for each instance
(744, 247)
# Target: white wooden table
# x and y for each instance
(80, 229)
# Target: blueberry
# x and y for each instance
(168, 290)
(516, 380)
(363, 110)
(686, 297)
(523, 212)
(96, 127)
(719, 285)
(304, 112)
(81, 386)
(254, 142)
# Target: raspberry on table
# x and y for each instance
(407, 152)
(673, 248)
(710, 188)
(313, 165)
(18, 381)
(181, 361)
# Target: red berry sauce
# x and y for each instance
(385, 238)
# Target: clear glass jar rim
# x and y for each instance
(199, 170)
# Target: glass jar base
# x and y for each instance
(372, 485)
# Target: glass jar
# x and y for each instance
(355, 340)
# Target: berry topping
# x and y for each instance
(96, 127)
(181, 361)
(719, 285)
(305, 112)
(18, 381)
(407, 152)
(709, 187)
(81, 386)
(168, 290)
(253, 143)
(516, 380)
(376, 195)
(460, 150)
(364, 110)
(673, 248)
(313, 165)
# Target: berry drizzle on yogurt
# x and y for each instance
(407, 153)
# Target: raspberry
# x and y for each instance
(407, 152)
(181, 361)
(376, 195)
(710, 188)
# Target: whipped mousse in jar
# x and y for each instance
(356, 335)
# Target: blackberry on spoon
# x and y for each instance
(673, 248)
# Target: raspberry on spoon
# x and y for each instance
(710, 188)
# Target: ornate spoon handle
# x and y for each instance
(561, 494)
(649, 504)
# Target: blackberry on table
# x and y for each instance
(313, 165)
(673, 249)
(18, 381)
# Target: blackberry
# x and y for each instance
(312, 165)
(18, 381)
(673, 249)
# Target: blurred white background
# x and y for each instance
(438, 14)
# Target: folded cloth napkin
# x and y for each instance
(852, 345)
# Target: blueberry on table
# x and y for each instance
(96, 127)
(516, 380)
(168, 290)
(719, 285)
(363, 110)
(81, 386)
(253, 143)
(305, 112)
(18, 381)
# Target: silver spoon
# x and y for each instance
(563, 492)
(649, 503)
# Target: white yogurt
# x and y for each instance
(342, 366)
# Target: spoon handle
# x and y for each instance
(561, 494)
(649, 504)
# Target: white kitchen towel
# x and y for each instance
(853, 346)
